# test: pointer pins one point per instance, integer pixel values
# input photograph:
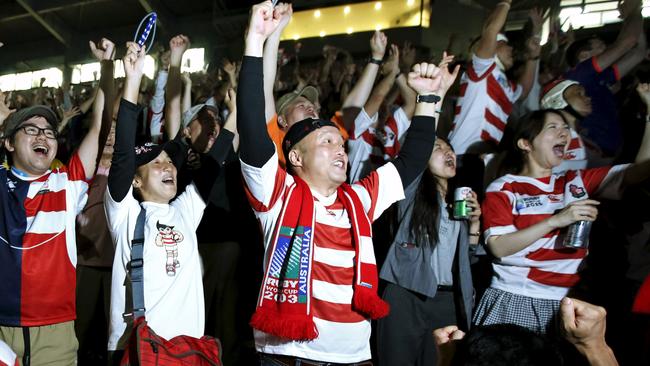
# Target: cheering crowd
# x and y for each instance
(307, 212)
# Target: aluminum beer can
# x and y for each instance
(577, 235)
(461, 211)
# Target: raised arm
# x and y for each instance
(631, 59)
(426, 80)
(173, 113)
(283, 12)
(123, 162)
(231, 122)
(533, 51)
(627, 37)
(256, 147)
(186, 101)
(390, 70)
(359, 94)
(487, 45)
(157, 104)
(89, 149)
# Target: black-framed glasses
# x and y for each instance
(33, 130)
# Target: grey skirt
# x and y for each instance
(502, 307)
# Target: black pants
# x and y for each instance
(93, 304)
(221, 296)
(405, 336)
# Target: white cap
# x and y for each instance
(553, 94)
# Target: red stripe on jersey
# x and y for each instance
(45, 202)
(463, 89)
(330, 237)
(524, 221)
(524, 188)
(485, 136)
(47, 299)
(340, 313)
(594, 63)
(494, 120)
(553, 278)
(332, 274)
(371, 184)
(496, 93)
(557, 254)
(457, 109)
(278, 190)
(574, 144)
(594, 177)
(476, 78)
(75, 168)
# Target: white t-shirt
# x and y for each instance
(484, 105)
(343, 334)
(173, 296)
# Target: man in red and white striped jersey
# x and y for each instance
(487, 95)
(320, 286)
(39, 203)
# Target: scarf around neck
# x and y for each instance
(284, 305)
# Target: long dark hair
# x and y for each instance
(526, 128)
(425, 217)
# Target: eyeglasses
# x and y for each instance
(33, 130)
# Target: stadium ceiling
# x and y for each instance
(43, 33)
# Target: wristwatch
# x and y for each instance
(429, 98)
(375, 61)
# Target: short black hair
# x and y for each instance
(574, 50)
(507, 345)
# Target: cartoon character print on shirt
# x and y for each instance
(577, 191)
(169, 238)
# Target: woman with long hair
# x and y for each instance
(428, 265)
(527, 212)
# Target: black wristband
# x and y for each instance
(428, 98)
(375, 61)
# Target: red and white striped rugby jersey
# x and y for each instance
(544, 269)
(370, 148)
(484, 104)
(575, 158)
(343, 334)
(38, 244)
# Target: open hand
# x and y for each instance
(391, 66)
(5, 111)
(447, 78)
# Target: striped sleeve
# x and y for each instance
(605, 182)
(379, 190)
(77, 182)
(498, 218)
(264, 186)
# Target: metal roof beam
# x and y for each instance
(50, 22)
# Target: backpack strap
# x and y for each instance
(135, 266)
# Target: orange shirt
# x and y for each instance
(277, 135)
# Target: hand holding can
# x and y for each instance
(461, 209)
